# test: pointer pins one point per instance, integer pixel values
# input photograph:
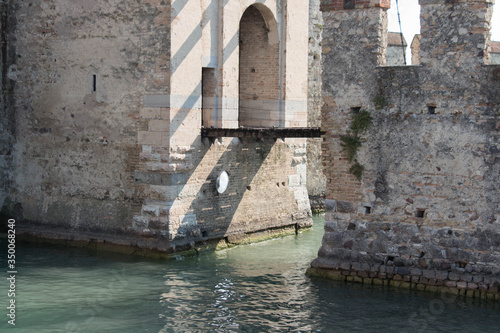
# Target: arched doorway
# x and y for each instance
(259, 69)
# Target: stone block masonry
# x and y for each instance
(266, 191)
(104, 103)
(315, 176)
(72, 97)
(426, 213)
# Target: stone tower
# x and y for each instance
(425, 213)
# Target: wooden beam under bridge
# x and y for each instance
(263, 132)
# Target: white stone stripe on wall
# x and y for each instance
(193, 101)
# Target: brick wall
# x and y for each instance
(209, 94)
(259, 73)
(266, 191)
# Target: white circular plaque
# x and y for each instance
(222, 182)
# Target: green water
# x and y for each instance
(255, 288)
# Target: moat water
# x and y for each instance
(254, 288)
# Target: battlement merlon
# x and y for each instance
(442, 2)
(333, 5)
(455, 32)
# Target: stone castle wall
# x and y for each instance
(426, 213)
(74, 84)
(183, 207)
(104, 109)
(316, 181)
(7, 122)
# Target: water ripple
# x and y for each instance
(257, 288)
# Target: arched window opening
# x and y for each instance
(406, 48)
(259, 86)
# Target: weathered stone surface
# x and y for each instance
(430, 158)
(102, 106)
(345, 207)
(429, 274)
(451, 284)
(402, 271)
(316, 181)
(441, 275)
(330, 205)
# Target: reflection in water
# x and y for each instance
(258, 287)
(255, 288)
(222, 316)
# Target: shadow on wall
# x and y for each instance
(259, 196)
(196, 35)
(257, 42)
(211, 214)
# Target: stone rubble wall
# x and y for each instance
(316, 181)
(426, 213)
